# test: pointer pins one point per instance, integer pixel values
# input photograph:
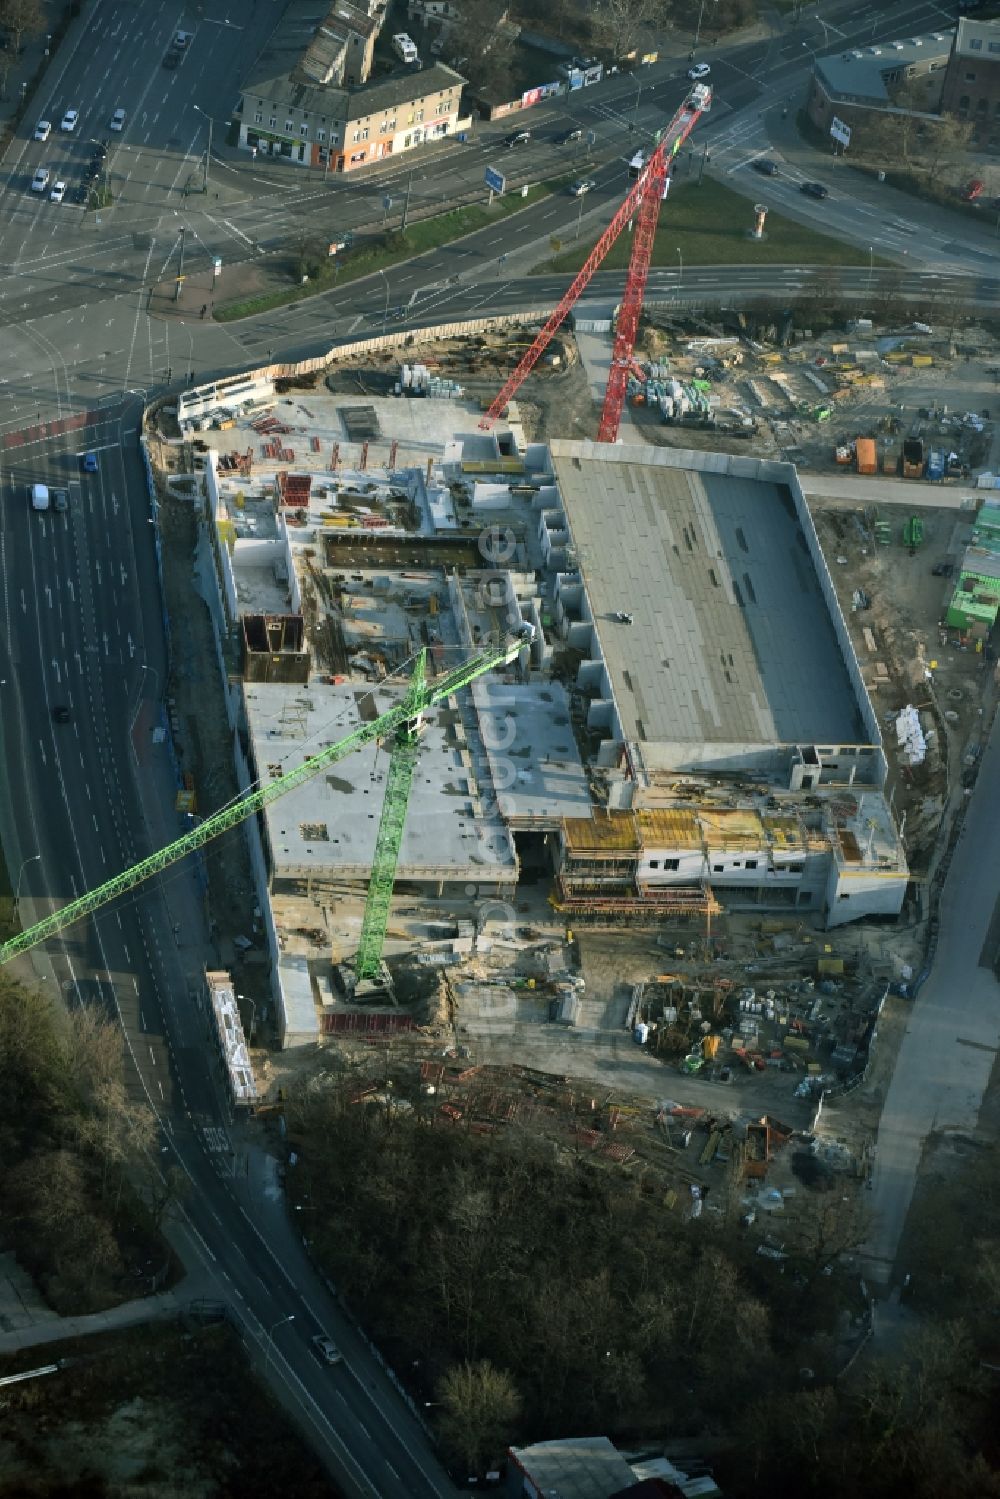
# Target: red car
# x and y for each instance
(973, 190)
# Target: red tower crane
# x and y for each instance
(642, 203)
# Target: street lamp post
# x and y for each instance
(270, 1337)
(208, 153)
(34, 859)
(871, 267)
(680, 271)
(385, 309)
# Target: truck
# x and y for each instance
(913, 458)
(39, 497)
(405, 47)
(866, 456)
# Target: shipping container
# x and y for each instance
(866, 455)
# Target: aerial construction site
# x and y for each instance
(624, 754)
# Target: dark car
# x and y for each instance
(171, 59)
(518, 138)
(61, 713)
(60, 499)
(943, 569)
(568, 136)
(814, 189)
(766, 165)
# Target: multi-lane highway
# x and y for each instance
(81, 640)
(80, 624)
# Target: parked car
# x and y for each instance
(43, 130)
(814, 190)
(40, 181)
(89, 463)
(973, 190)
(765, 165)
(70, 120)
(326, 1350)
(943, 569)
(117, 121)
(518, 138)
(58, 192)
(567, 137)
(700, 70)
(585, 185)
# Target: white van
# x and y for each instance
(405, 47)
(39, 497)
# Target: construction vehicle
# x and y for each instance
(399, 727)
(913, 532)
(641, 205)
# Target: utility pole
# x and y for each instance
(406, 203)
(180, 270)
(208, 153)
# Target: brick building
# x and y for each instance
(306, 99)
(972, 82)
(884, 78)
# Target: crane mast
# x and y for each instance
(402, 720)
(645, 195)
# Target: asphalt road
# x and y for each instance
(78, 597)
(953, 1033)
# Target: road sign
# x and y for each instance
(840, 131)
(495, 181)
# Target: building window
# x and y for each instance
(304, 130)
(273, 121)
(843, 896)
(289, 126)
(976, 44)
(970, 77)
(718, 869)
(321, 135)
(751, 864)
(963, 105)
(258, 119)
(654, 863)
(671, 863)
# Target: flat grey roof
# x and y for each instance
(575, 1467)
(864, 77)
(732, 640)
(327, 826)
(529, 743)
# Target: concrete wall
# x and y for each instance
(869, 893)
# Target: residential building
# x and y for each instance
(852, 86)
(309, 99)
(972, 80)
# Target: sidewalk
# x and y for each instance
(129, 1314)
(21, 75)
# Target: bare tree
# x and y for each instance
(22, 18)
(479, 1407)
(622, 20)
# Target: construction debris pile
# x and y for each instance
(815, 1027)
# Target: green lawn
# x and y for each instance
(708, 223)
(394, 248)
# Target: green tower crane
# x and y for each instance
(399, 726)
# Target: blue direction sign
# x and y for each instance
(495, 181)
